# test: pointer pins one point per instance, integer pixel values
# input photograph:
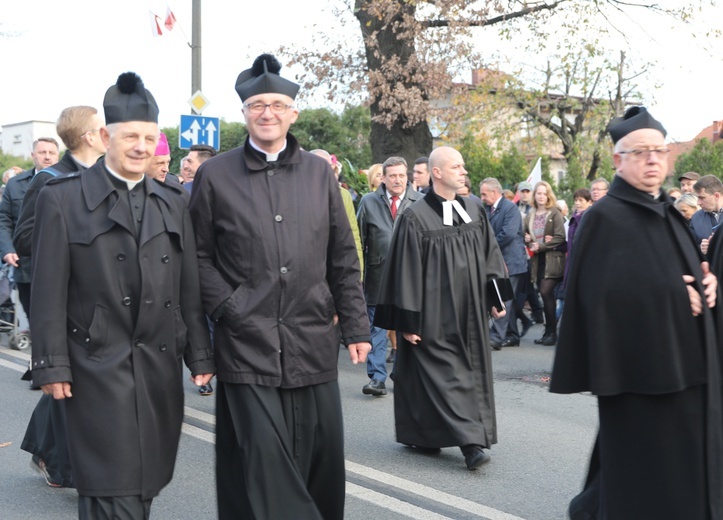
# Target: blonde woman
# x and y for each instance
(545, 237)
(375, 175)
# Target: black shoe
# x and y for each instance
(526, 328)
(511, 343)
(550, 340)
(496, 345)
(205, 389)
(474, 456)
(39, 465)
(375, 388)
(392, 355)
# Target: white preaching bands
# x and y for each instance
(447, 206)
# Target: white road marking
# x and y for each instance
(392, 504)
(380, 499)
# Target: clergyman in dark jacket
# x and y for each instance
(116, 308)
(278, 265)
(639, 332)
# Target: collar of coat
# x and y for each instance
(97, 186)
(256, 162)
(620, 189)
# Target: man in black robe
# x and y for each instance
(278, 265)
(434, 291)
(638, 332)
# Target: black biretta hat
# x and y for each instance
(635, 118)
(263, 78)
(129, 100)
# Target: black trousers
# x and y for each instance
(24, 297)
(279, 453)
(46, 437)
(114, 508)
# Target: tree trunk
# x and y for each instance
(383, 43)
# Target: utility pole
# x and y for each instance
(196, 48)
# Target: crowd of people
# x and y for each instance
(254, 265)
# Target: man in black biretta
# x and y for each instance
(116, 308)
(639, 333)
(278, 265)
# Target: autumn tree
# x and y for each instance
(408, 52)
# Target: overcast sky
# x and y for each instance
(69, 52)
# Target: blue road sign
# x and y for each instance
(199, 130)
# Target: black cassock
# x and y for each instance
(435, 285)
(628, 336)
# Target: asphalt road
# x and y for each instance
(538, 465)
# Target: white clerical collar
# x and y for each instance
(131, 184)
(269, 156)
(448, 218)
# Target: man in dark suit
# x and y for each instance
(45, 153)
(376, 214)
(506, 222)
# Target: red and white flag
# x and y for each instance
(156, 24)
(170, 19)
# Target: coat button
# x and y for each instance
(138, 343)
(120, 257)
(278, 218)
(167, 304)
(127, 301)
(270, 173)
(284, 270)
(165, 259)
(163, 347)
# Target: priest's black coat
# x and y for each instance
(628, 336)
(116, 315)
(435, 286)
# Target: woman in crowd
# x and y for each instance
(545, 237)
(374, 176)
(687, 204)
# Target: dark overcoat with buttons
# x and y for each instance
(116, 309)
(278, 261)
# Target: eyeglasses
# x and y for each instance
(276, 107)
(90, 132)
(645, 153)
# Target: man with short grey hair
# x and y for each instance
(506, 223)
(598, 189)
(45, 153)
(641, 337)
